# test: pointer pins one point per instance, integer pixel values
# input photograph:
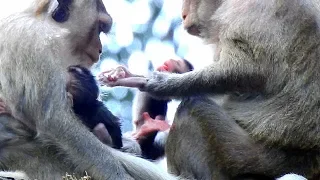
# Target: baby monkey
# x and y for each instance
(83, 92)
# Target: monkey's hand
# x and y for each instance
(121, 76)
(4, 109)
(115, 74)
(150, 126)
(162, 84)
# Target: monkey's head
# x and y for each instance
(83, 20)
(176, 66)
(197, 16)
(82, 86)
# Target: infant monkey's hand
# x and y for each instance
(121, 76)
(4, 109)
(114, 74)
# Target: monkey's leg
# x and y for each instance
(187, 148)
(206, 143)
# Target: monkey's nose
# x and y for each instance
(184, 13)
(184, 16)
(105, 22)
(100, 51)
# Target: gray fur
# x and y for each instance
(268, 75)
(48, 140)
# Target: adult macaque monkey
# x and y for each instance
(268, 71)
(45, 139)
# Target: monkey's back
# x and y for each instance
(281, 39)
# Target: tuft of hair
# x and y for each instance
(16, 175)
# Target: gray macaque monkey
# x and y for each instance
(43, 137)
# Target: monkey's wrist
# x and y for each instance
(143, 86)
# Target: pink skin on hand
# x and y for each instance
(114, 74)
(150, 126)
(121, 76)
(4, 109)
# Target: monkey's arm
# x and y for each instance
(228, 75)
(236, 71)
(35, 89)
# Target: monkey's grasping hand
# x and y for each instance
(115, 74)
(159, 84)
(150, 126)
(162, 84)
(121, 76)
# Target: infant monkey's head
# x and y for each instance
(176, 66)
(82, 86)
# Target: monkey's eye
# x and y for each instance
(61, 14)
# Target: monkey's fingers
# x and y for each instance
(150, 126)
(162, 125)
(139, 122)
(4, 109)
(134, 82)
(146, 117)
(118, 72)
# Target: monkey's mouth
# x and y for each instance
(93, 58)
(193, 30)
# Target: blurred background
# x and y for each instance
(145, 33)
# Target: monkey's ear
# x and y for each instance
(62, 12)
(42, 5)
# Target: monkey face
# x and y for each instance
(84, 20)
(196, 15)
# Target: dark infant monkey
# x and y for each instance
(84, 90)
